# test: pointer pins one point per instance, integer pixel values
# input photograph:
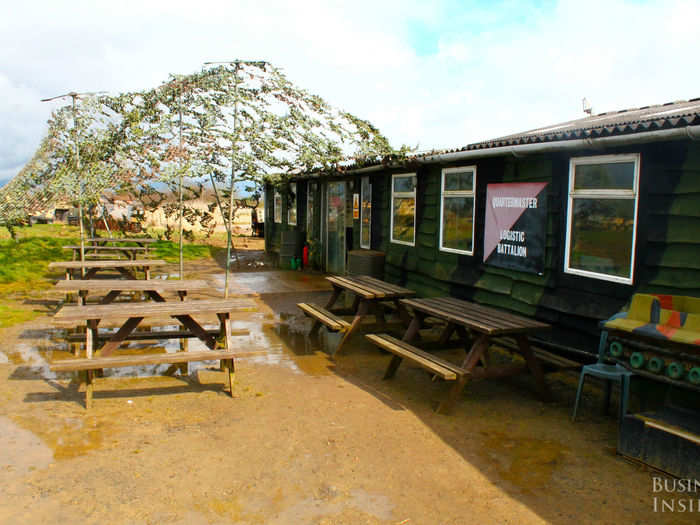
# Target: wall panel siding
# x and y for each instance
(668, 243)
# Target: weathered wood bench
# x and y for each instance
(485, 323)
(134, 314)
(89, 366)
(112, 288)
(96, 251)
(320, 314)
(440, 367)
(92, 267)
(369, 295)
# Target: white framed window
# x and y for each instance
(457, 190)
(292, 204)
(601, 226)
(310, 205)
(403, 209)
(365, 213)
(278, 207)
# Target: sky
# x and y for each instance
(428, 74)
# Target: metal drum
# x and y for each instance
(366, 262)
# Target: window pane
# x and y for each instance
(601, 236)
(611, 176)
(460, 180)
(278, 207)
(457, 219)
(366, 213)
(403, 184)
(292, 204)
(310, 196)
(404, 211)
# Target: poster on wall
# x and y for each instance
(516, 226)
(355, 205)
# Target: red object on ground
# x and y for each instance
(305, 256)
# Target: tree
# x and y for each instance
(240, 123)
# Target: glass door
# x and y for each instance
(335, 228)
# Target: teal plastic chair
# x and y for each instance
(609, 373)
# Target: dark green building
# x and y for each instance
(562, 223)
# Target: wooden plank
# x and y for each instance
(390, 290)
(144, 240)
(107, 248)
(354, 282)
(161, 334)
(481, 326)
(325, 317)
(347, 285)
(463, 313)
(68, 365)
(146, 309)
(442, 368)
(505, 316)
(76, 265)
(135, 285)
(476, 317)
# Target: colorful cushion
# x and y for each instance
(672, 317)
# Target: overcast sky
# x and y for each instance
(428, 74)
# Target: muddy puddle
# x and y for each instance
(522, 461)
(280, 340)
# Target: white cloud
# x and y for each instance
(498, 70)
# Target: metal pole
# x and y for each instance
(80, 190)
(73, 96)
(218, 202)
(182, 265)
(233, 168)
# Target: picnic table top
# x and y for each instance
(144, 240)
(122, 263)
(102, 248)
(370, 287)
(475, 316)
(107, 285)
(69, 314)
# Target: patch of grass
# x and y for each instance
(11, 315)
(42, 230)
(24, 262)
(170, 251)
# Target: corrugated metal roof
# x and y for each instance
(623, 122)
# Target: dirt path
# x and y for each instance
(305, 440)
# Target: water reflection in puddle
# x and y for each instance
(282, 341)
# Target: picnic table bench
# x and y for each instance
(153, 288)
(462, 316)
(112, 288)
(97, 251)
(140, 241)
(369, 295)
(74, 268)
(133, 315)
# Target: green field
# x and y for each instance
(24, 263)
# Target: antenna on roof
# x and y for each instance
(587, 108)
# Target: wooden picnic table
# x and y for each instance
(93, 267)
(112, 288)
(183, 312)
(130, 252)
(462, 316)
(369, 295)
(141, 241)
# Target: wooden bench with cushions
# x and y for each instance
(668, 328)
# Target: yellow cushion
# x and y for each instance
(640, 307)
